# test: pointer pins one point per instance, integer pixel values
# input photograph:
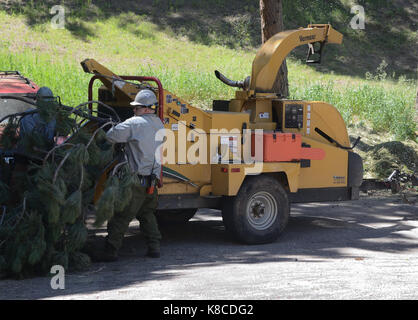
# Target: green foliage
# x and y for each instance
(33, 142)
(124, 194)
(76, 236)
(60, 258)
(380, 74)
(38, 246)
(46, 226)
(387, 108)
(72, 208)
(64, 79)
(106, 204)
(27, 246)
(388, 156)
(79, 155)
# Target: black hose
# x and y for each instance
(237, 84)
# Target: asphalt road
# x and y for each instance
(366, 249)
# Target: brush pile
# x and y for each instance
(46, 188)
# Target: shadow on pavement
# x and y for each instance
(316, 232)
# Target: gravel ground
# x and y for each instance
(366, 249)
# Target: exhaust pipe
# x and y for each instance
(237, 84)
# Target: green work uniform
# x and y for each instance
(142, 206)
(139, 134)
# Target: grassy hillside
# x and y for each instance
(390, 34)
(371, 78)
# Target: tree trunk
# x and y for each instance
(416, 112)
(272, 23)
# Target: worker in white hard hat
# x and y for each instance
(138, 134)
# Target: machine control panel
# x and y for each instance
(294, 116)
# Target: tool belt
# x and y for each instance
(148, 182)
(145, 181)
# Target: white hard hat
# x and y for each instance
(145, 98)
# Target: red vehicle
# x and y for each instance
(12, 83)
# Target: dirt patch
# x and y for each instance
(382, 154)
(388, 156)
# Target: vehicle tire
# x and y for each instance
(177, 216)
(259, 212)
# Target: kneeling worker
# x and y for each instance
(138, 133)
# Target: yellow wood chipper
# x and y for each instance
(250, 156)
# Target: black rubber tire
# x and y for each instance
(237, 215)
(178, 216)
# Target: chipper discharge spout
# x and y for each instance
(271, 55)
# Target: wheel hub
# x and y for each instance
(257, 210)
(262, 210)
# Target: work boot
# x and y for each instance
(153, 253)
(105, 254)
